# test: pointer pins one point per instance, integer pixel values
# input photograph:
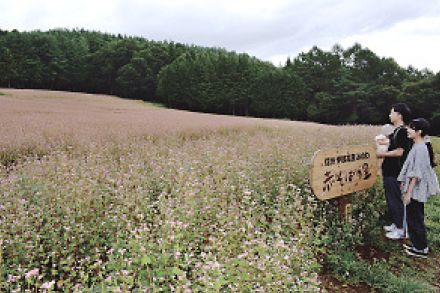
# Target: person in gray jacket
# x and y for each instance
(418, 182)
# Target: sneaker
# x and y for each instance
(396, 234)
(389, 228)
(417, 252)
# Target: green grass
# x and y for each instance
(376, 274)
(436, 146)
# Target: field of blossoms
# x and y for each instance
(119, 196)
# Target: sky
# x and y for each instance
(271, 30)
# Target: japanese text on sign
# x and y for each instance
(337, 172)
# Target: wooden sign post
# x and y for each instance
(341, 171)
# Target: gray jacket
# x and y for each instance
(417, 165)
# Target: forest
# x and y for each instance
(341, 86)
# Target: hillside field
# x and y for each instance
(101, 194)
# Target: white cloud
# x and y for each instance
(413, 42)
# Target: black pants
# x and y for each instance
(393, 196)
(415, 213)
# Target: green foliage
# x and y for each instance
(212, 81)
(80, 60)
(339, 86)
(278, 93)
(424, 97)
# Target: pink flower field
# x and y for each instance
(103, 194)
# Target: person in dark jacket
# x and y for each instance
(393, 161)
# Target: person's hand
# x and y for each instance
(406, 198)
(380, 154)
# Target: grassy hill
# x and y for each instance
(103, 194)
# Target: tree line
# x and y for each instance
(338, 86)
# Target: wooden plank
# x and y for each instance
(340, 171)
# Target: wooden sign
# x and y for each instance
(340, 171)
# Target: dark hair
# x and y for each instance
(431, 154)
(420, 124)
(423, 125)
(403, 110)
